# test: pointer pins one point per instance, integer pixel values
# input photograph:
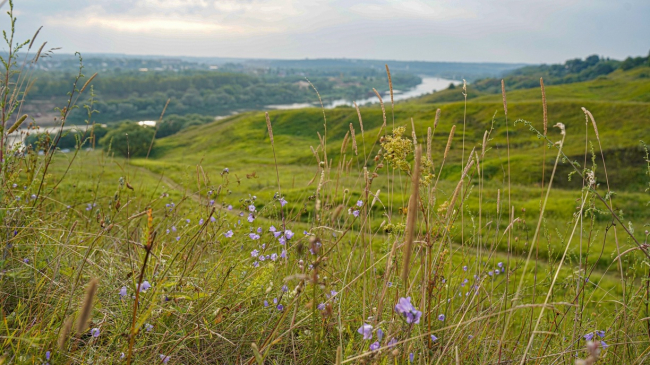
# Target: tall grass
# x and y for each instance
(200, 275)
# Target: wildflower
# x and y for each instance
(411, 357)
(148, 327)
(213, 219)
(121, 355)
(144, 287)
(497, 271)
(251, 208)
(47, 355)
(256, 264)
(490, 273)
(288, 234)
(434, 338)
(321, 307)
(359, 203)
(406, 309)
(366, 331)
(262, 258)
(209, 192)
(355, 213)
(275, 300)
(277, 234)
(441, 317)
(272, 229)
(26, 260)
(464, 268)
(374, 346)
(187, 221)
(274, 256)
(500, 264)
(201, 222)
(380, 334)
(589, 336)
(255, 253)
(283, 202)
(285, 288)
(603, 344)
(229, 207)
(94, 332)
(228, 234)
(282, 240)
(167, 231)
(226, 170)
(123, 292)
(333, 293)
(470, 337)
(601, 334)
(305, 233)
(250, 218)
(178, 238)
(165, 359)
(389, 284)
(259, 230)
(266, 303)
(280, 307)
(254, 236)
(283, 254)
(444, 280)
(173, 228)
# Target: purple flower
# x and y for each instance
(187, 220)
(490, 273)
(274, 256)
(251, 208)
(94, 332)
(411, 357)
(254, 236)
(283, 254)
(355, 213)
(589, 336)
(255, 253)
(148, 327)
(144, 287)
(441, 317)
(500, 264)
(282, 240)
(374, 346)
(285, 288)
(392, 342)
(497, 271)
(277, 234)
(228, 234)
(389, 284)
(283, 202)
(262, 258)
(213, 219)
(201, 222)
(250, 218)
(266, 303)
(288, 234)
(47, 355)
(601, 334)
(26, 260)
(380, 334)
(165, 359)
(434, 338)
(272, 229)
(259, 230)
(178, 238)
(470, 337)
(275, 300)
(366, 331)
(173, 228)
(280, 307)
(359, 203)
(256, 264)
(603, 344)
(229, 207)
(407, 310)
(321, 307)
(123, 292)
(464, 268)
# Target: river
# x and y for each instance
(429, 84)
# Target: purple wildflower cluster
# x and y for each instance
(408, 311)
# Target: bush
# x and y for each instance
(129, 140)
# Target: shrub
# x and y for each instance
(129, 140)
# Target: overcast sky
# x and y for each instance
(532, 31)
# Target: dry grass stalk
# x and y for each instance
(88, 82)
(485, 136)
(360, 120)
(435, 123)
(344, 144)
(65, 332)
(383, 109)
(38, 54)
(451, 137)
(87, 306)
(411, 219)
(541, 84)
(17, 124)
(268, 126)
(354, 139)
(429, 138)
(415, 138)
(503, 96)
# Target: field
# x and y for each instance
(491, 233)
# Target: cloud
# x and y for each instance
(446, 30)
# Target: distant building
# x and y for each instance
(147, 123)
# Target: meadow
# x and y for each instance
(458, 228)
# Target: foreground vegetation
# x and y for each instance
(350, 236)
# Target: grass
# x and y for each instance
(242, 260)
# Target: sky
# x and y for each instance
(529, 31)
